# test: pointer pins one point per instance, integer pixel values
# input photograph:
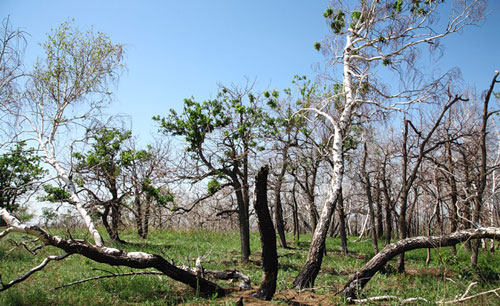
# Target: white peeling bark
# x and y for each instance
(312, 266)
(62, 174)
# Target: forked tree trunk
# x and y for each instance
(267, 238)
(363, 276)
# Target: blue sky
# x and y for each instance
(179, 49)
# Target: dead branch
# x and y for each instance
(465, 298)
(389, 298)
(106, 276)
(30, 272)
(245, 283)
(363, 276)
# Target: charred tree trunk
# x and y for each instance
(104, 218)
(450, 175)
(147, 214)
(403, 230)
(296, 221)
(379, 215)
(244, 222)
(478, 199)
(267, 238)
(138, 212)
(115, 221)
(278, 209)
(342, 223)
(369, 198)
(363, 276)
(388, 210)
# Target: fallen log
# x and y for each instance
(362, 277)
(112, 256)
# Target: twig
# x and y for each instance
(105, 276)
(463, 299)
(390, 297)
(468, 289)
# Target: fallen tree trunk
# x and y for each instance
(267, 238)
(112, 256)
(363, 276)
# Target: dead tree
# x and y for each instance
(112, 256)
(363, 276)
(267, 238)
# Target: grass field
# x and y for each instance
(445, 277)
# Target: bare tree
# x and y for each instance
(378, 33)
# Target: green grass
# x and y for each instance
(444, 278)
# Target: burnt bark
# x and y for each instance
(450, 177)
(342, 223)
(363, 276)
(369, 198)
(478, 199)
(267, 238)
(308, 274)
(243, 218)
(278, 209)
(379, 215)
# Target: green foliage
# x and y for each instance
(107, 155)
(19, 170)
(76, 64)
(49, 215)
(213, 186)
(228, 118)
(55, 194)
(162, 196)
(398, 6)
(317, 46)
(338, 22)
(198, 120)
(328, 12)
(355, 17)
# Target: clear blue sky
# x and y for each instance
(179, 49)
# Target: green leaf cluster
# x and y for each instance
(336, 19)
(162, 196)
(55, 194)
(19, 169)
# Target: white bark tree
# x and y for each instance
(65, 91)
(370, 37)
